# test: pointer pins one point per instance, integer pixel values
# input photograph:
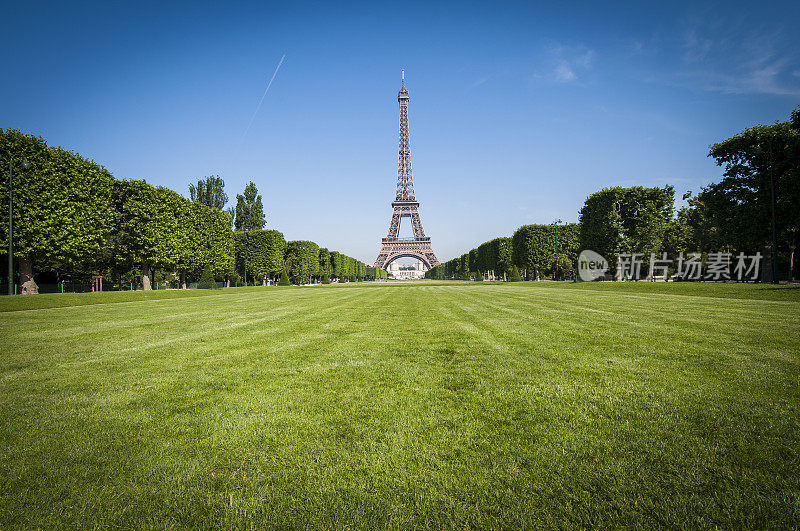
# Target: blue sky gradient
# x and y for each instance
(518, 111)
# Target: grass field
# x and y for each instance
(417, 405)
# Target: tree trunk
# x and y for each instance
(26, 283)
(146, 286)
(183, 279)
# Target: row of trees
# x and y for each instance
(70, 214)
(152, 227)
(533, 250)
(757, 200)
(265, 254)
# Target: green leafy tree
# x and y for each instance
(736, 213)
(62, 206)
(472, 259)
(249, 213)
(627, 220)
(691, 231)
(217, 238)
(205, 240)
(324, 262)
(209, 191)
(262, 252)
(304, 256)
(148, 227)
(543, 249)
(531, 245)
(495, 255)
(515, 276)
(338, 265)
(284, 281)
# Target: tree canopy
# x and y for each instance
(62, 204)
(737, 211)
(249, 212)
(626, 220)
(209, 191)
(265, 252)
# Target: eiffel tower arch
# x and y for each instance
(405, 204)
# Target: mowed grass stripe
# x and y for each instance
(399, 406)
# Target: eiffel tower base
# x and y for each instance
(394, 248)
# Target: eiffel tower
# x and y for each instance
(405, 205)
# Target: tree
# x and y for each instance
(209, 191)
(691, 231)
(62, 206)
(265, 253)
(472, 259)
(738, 209)
(339, 263)
(463, 266)
(304, 256)
(515, 277)
(205, 240)
(284, 281)
(148, 227)
(495, 255)
(249, 213)
(627, 220)
(535, 246)
(216, 239)
(324, 262)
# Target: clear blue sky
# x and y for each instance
(518, 111)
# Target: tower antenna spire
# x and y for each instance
(403, 77)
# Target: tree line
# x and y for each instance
(757, 200)
(532, 252)
(71, 217)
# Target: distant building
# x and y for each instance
(398, 272)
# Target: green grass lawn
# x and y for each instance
(418, 405)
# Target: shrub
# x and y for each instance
(326, 279)
(284, 281)
(514, 275)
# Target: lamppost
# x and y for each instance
(25, 166)
(555, 224)
(774, 231)
(774, 253)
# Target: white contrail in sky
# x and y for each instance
(265, 94)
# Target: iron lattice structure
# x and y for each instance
(405, 204)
